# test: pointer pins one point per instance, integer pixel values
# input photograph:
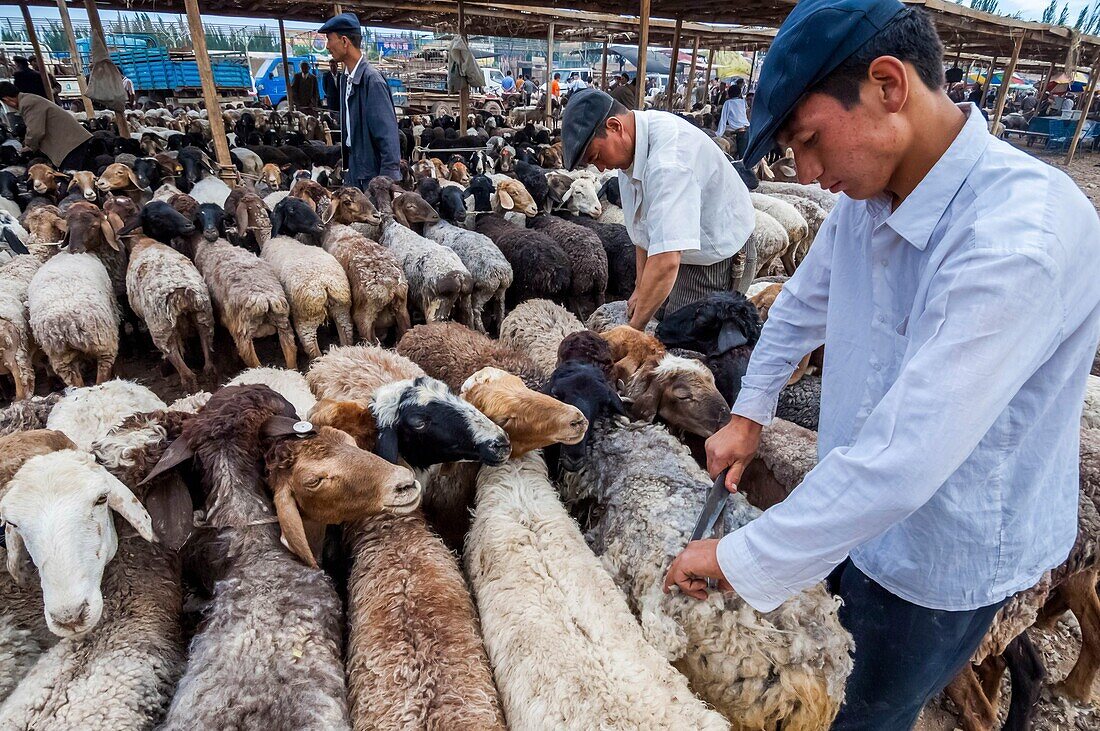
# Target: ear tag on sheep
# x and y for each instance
(285, 426)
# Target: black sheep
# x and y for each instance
(431, 191)
(211, 218)
(452, 207)
(160, 221)
(293, 216)
(482, 189)
(622, 265)
(587, 347)
(540, 266)
(586, 387)
(534, 179)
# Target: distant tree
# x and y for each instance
(1048, 12)
(1063, 19)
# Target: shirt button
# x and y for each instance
(883, 262)
(875, 365)
(882, 318)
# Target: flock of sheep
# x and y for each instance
(460, 531)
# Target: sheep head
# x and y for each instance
(293, 216)
(583, 198)
(459, 173)
(531, 419)
(117, 177)
(351, 205)
(513, 196)
(85, 182)
(89, 228)
(422, 422)
(326, 478)
(271, 175)
(586, 387)
(409, 209)
(44, 225)
(713, 325)
(43, 178)
(680, 391)
(631, 348)
(57, 513)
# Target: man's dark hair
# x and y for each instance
(616, 109)
(909, 37)
(20, 61)
(356, 39)
(8, 89)
(557, 76)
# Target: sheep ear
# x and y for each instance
(505, 200)
(276, 222)
(648, 402)
(177, 453)
(109, 234)
(123, 501)
(172, 513)
(242, 221)
(617, 405)
(20, 565)
(567, 195)
(334, 205)
(730, 337)
(788, 171)
(290, 520)
(399, 214)
(133, 178)
(387, 445)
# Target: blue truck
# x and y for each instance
(160, 73)
(271, 83)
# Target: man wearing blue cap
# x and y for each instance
(953, 286)
(368, 125)
(685, 207)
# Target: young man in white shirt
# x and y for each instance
(953, 287)
(685, 207)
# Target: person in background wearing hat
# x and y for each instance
(686, 208)
(953, 286)
(625, 92)
(368, 127)
(50, 129)
(26, 79)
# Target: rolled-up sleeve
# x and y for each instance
(795, 326)
(674, 225)
(966, 360)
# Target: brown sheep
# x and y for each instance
(452, 353)
(351, 205)
(313, 193)
(45, 224)
(512, 196)
(379, 289)
(120, 179)
(42, 179)
(91, 230)
(631, 348)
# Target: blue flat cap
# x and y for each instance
(813, 41)
(585, 112)
(342, 23)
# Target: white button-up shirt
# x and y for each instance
(350, 72)
(682, 194)
(959, 331)
(735, 115)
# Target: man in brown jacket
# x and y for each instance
(50, 129)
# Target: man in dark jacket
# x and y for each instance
(368, 125)
(331, 83)
(27, 80)
(306, 96)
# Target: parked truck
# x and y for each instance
(271, 83)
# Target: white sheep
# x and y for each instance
(16, 344)
(785, 668)
(251, 163)
(379, 288)
(167, 292)
(790, 219)
(291, 385)
(74, 315)
(1090, 414)
(250, 299)
(584, 663)
(816, 193)
(210, 190)
(771, 241)
(491, 272)
(316, 288)
(582, 198)
(87, 414)
(437, 277)
(537, 327)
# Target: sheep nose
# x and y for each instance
(72, 618)
(580, 424)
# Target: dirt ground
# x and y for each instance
(1059, 646)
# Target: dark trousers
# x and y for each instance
(904, 654)
(77, 159)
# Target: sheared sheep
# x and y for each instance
(489, 268)
(816, 193)
(379, 289)
(612, 315)
(587, 259)
(787, 667)
(537, 327)
(452, 352)
(88, 414)
(585, 663)
(540, 266)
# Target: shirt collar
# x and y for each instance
(351, 71)
(917, 216)
(641, 146)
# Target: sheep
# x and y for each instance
(88, 414)
(790, 219)
(316, 287)
(74, 314)
(582, 199)
(91, 230)
(611, 315)
(511, 196)
(42, 179)
(481, 189)
(437, 277)
(294, 216)
(119, 179)
(810, 210)
(210, 190)
(587, 258)
(489, 268)
(13, 237)
(249, 298)
(17, 347)
(621, 261)
(537, 327)
(43, 225)
(117, 672)
(816, 193)
(587, 347)
(291, 385)
(415, 655)
(452, 352)
(351, 205)
(82, 186)
(540, 266)
(1090, 414)
(787, 667)
(770, 240)
(379, 289)
(533, 180)
(167, 292)
(161, 220)
(585, 662)
(30, 413)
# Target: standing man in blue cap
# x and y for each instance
(686, 208)
(368, 123)
(953, 286)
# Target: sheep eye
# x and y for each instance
(101, 500)
(418, 423)
(314, 482)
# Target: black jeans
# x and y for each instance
(904, 654)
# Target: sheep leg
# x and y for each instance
(341, 315)
(976, 713)
(1025, 665)
(1080, 593)
(187, 376)
(69, 372)
(990, 673)
(364, 323)
(286, 342)
(400, 305)
(206, 339)
(307, 334)
(787, 257)
(1054, 608)
(104, 367)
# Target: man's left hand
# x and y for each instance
(691, 569)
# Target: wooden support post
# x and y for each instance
(643, 48)
(464, 92)
(337, 8)
(603, 69)
(549, 73)
(1006, 81)
(989, 80)
(1046, 80)
(1090, 92)
(670, 90)
(689, 88)
(33, 36)
(97, 30)
(286, 64)
(78, 67)
(752, 72)
(209, 91)
(706, 79)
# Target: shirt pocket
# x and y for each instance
(900, 341)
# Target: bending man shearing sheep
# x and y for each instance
(685, 207)
(953, 287)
